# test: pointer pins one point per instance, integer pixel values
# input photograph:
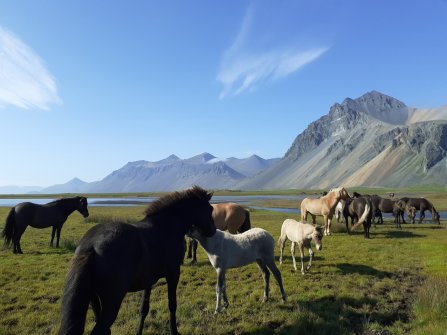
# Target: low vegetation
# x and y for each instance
(394, 283)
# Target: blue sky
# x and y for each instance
(86, 86)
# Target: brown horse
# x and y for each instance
(324, 206)
(227, 216)
(421, 205)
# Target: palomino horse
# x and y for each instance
(227, 216)
(227, 251)
(361, 209)
(324, 206)
(300, 233)
(115, 258)
(54, 214)
(421, 205)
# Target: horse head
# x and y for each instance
(82, 206)
(435, 215)
(317, 237)
(411, 211)
(203, 219)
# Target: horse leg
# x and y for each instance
(421, 215)
(311, 255)
(326, 226)
(301, 246)
(172, 280)
(110, 305)
(304, 215)
(292, 250)
(270, 263)
(282, 244)
(329, 221)
(17, 249)
(96, 306)
(366, 229)
(194, 251)
(219, 285)
(224, 293)
(347, 224)
(53, 232)
(266, 276)
(58, 235)
(144, 309)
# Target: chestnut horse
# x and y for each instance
(324, 206)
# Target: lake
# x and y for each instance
(240, 199)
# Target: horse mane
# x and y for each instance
(336, 189)
(63, 200)
(174, 198)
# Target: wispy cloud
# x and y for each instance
(243, 70)
(24, 80)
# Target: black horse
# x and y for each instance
(421, 205)
(53, 214)
(360, 209)
(115, 258)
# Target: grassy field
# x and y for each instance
(394, 283)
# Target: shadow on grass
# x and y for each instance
(402, 234)
(334, 316)
(361, 269)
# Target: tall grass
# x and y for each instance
(430, 307)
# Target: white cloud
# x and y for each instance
(24, 80)
(243, 70)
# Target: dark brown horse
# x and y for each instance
(115, 258)
(382, 205)
(226, 216)
(421, 205)
(52, 214)
(360, 209)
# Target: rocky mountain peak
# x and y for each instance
(379, 106)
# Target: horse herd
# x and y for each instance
(115, 258)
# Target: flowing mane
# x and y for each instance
(172, 199)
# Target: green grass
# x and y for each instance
(394, 283)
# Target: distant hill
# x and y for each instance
(19, 189)
(171, 173)
(375, 140)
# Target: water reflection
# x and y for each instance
(240, 199)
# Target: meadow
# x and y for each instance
(393, 283)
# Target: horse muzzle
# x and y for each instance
(319, 247)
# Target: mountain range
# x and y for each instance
(374, 140)
(171, 173)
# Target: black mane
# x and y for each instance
(172, 199)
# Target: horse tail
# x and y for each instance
(10, 227)
(246, 225)
(363, 217)
(77, 295)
